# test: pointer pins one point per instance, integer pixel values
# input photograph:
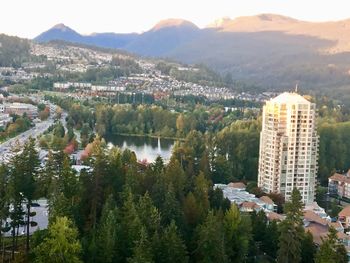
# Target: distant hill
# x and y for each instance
(60, 32)
(13, 51)
(161, 39)
(267, 50)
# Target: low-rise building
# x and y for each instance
(339, 185)
(245, 201)
(21, 108)
(344, 217)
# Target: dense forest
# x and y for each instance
(233, 135)
(123, 211)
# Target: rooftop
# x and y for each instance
(345, 212)
(290, 97)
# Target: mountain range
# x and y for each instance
(268, 50)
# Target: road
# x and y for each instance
(6, 148)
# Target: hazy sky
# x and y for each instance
(28, 18)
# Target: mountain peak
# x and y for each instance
(61, 27)
(59, 32)
(173, 22)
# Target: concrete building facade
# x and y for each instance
(289, 147)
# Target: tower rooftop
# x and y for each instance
(289, 97)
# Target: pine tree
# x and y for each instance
(270, 240)
(237, 230)
(172, 247)
(4, 203)
(201, 192)
(61, 245)
(191, 210)
(170, 209)
(149, 215)
(96, 195)
(175, 175)
(107, 233)
(30, 167)
(131, 225)
(331, 250)
(308, 248)
(292, 231)
(142, 252)
(210, 243)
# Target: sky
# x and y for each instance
(28, 18)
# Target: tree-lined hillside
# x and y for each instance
(13, 51)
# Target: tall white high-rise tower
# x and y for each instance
(289, 147)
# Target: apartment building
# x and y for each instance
(289, 147)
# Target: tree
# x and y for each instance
(292, 231)
(107, 233)
(210, 242)
(131, 226)
(331, 250)
(180, 124)
(270, 242)
(172, 247)
(4, 202)
(59, 130)
(149, 215)
(201, 192)
(308, 248)
(237, 230)
(96, 195)
(61, 245)
(191, 210)
(24, 169)
(142, 251)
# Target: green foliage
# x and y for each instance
(211, 243)
(61, 243)
(292, 231)
(308, 248)
(237, 229)
(20, 124)
(172, 247)
(334, 148)
(331, 250)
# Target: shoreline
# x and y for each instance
(146, 136)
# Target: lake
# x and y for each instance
(146, 148)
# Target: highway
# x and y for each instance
(6, 148)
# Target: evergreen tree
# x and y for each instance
(308, 248)
(142, 252)
(96, 194)
(29, 166)
(176, 176)
(331, 250)
(130, 227)
(270, 242)
(191, 210)
(210, 242)
(107, 233)
(4, 202)
(201, 192)
(237, 230)
(61, 245)
(292, 231)
(149, 215)
(172, 247)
